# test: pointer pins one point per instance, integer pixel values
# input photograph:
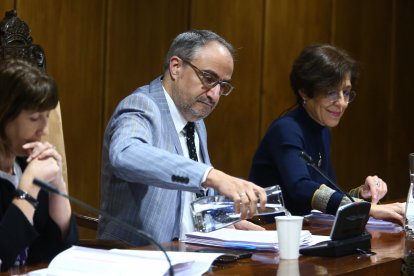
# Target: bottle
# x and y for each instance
(407, 267)
(214, 212)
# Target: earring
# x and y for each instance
(304, 101)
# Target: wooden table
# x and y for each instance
(389, 249)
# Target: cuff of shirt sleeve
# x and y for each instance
(205, 174)
(208, 170)
(321, 198)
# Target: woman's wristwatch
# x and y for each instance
(23, 195)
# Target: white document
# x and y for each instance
(88, 261)
(249, 240)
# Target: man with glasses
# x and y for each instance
(322, 79)
(155, 157)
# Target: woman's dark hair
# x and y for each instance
(23, 86)
(321, 67)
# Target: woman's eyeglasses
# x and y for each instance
(333, 96)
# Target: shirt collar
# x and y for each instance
(178, 118)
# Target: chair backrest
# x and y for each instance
(16, 42)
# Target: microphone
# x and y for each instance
(309, 161)
(348, 233)
(51, 189)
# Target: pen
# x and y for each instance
(240, 246)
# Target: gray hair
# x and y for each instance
(186, 44)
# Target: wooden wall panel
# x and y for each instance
(401, 119)
(5, 5)
(233, 126)
(290, 26)
(139, 34)
(360, 146)
(72, 35)
(99, 51)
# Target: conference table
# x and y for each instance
(389, 249)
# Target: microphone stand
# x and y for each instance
(309, 161)
(349, 218)
(49, 188)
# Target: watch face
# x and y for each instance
(23, 195)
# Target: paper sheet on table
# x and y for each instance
(88, 261)
(318, 218)
(249, 240)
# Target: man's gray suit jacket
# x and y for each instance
(143, 171)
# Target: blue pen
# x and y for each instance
(240, 246)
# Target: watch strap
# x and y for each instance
(24, 195)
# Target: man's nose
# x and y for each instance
(215, 91)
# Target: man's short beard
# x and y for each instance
(188, 110)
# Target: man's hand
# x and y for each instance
(247, 225)
(245, 194)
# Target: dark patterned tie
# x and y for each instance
(192, 152)
(189, 136)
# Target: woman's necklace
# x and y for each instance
(320, 160)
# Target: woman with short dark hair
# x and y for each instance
(34, 226)
(322, 78)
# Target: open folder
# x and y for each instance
(249, 240)
(88, 261)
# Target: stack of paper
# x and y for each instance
(87, 261)
(249, 240)
(318, 218)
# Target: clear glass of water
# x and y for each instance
(411, 162)
(274, 200)
(214, 212)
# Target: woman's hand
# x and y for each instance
(374, 188)
(45, 163)
(392, 212)
(46, 169)
(44, 151)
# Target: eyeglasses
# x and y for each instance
(333, 96)
(209, 80)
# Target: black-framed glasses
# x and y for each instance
(334, 95)
(209, 80)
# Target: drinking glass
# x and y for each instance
(407, 267)
(411, 161)
(214, 212)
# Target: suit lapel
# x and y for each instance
(157, 93)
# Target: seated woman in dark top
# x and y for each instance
(322, 78)
(34, 226)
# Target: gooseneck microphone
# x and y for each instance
(309, 161)
(49, 188)
(348, 234)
